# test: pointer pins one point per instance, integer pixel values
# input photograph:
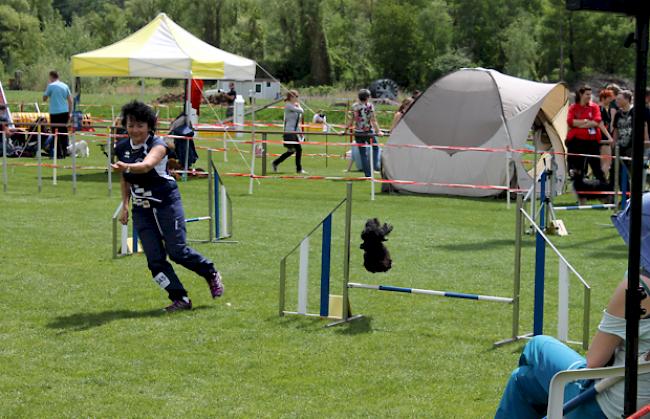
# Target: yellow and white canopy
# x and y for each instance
(163, 49)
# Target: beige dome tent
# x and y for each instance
(476, 108)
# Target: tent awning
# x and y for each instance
(163, 49)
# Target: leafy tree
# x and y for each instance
(21, 41)
(395, 41)
(520, 47)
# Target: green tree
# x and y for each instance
(520, 47)
(395, 41)
(347, 25)
(21, 41)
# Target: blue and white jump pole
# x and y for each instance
(584, 207)
(448, 294)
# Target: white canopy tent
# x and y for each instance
(163, 49)
(476, 108)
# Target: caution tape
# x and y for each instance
(389, 181)
(346, 144)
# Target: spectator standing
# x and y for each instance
(583, 138)
(365, 128)
(623, 125)
(605, 97)
(292, 137)
(60, 110)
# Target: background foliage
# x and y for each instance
(334, 42)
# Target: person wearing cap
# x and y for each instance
(526, 392)
(365, 128)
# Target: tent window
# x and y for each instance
(268, 84)
(258, 88)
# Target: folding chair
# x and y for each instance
(556, 389)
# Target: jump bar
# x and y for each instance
(192, 220)
(431, 292)
(584, 207)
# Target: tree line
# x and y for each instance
(345, 43)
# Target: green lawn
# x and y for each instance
(84, 335)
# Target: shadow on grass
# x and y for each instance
(484, 245)
(356, 327)
(84, 321)
(100, 177)
(362, 325)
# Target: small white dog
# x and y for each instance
(80, 148)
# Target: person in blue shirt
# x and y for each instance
(158, 215)
(60, 110)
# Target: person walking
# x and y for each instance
(60, 110)
(158, 215)
(365, 127)
(292, 137)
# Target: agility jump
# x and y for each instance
(344, 314)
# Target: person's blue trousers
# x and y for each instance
(162, 232)
(526, 394)
(363, 152)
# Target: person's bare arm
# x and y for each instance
(125, 188)
(396, 118)
(603, 129)
(603, 344)
(153, 158)
(70, 104)
(375, 125)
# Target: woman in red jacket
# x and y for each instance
(584, 136)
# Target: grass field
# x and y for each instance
(84, 335)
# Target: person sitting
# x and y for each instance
(320, 118)
(183, 148)
(526, 393)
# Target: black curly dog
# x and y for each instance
(376, 257)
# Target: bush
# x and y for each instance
(169, 82)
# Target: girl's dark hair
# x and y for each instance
(581, 91)
(363, 95)
(140, 112)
